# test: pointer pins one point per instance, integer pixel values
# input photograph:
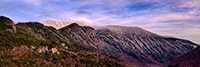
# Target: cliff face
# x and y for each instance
(142, 45)
(190, 59)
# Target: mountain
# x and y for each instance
(86, 36)
(34, 44)
(59, 24)
(143, 45)
(190, 59)
(133, 45)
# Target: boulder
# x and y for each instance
(33, 47)
(54, 50)
(42, 49)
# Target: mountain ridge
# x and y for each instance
(144, 45)
(62, 23)
(34, 44)
(132, 44)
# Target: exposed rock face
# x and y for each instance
(32, 47)
(60, 24)
(7, 24)
(142, 45)
(42, 49)
(64, 46)
(54, 50)
(190, 59)
(21, 48)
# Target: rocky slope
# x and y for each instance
(34, 44)
(190, 59)
(134, 45)
(86, 36)
(60, 24)
(143, 45)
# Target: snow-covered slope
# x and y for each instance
(62, 23)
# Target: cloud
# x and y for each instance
(33, 2)
(82, 12)
(190, 3)
(44, 15)
(167, 17)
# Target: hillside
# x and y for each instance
(190, 59)
(41, 32)
(146, 47)
(34, 44)
(134, 45)
(86, 36)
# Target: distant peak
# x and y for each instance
(62, 23)
(54, 20)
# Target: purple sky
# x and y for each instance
(178, 18)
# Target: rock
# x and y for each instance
(33, 47)
(15, 48)
(24, 47)
(54, 50)
(20, 49)
(42, 49)
(66, 47)
(63, 44)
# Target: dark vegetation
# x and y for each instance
(6, 23)
(49, 59)
(36, 34)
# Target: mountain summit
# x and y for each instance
(62, 23)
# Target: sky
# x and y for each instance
(177, 18)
